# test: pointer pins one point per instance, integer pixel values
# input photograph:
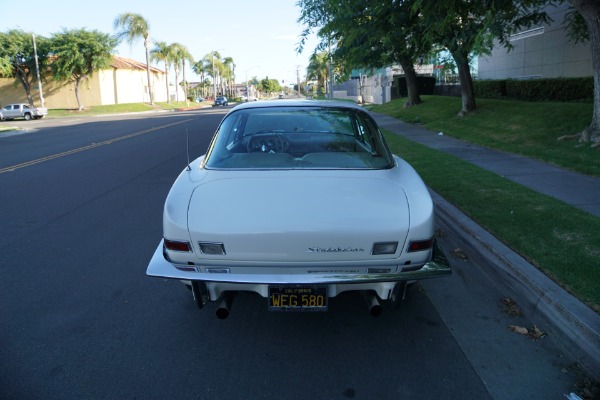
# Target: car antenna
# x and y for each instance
(187, 147)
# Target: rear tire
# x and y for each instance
(27, 117)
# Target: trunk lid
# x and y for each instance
(302, 218)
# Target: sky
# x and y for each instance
(260, 35)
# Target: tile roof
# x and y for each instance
(119, 62)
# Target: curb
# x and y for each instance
(571, 325)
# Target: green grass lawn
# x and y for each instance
(562, 241)
(123, 108)
(529, 129)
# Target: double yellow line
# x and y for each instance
(85, 148)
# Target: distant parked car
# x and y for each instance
(221, 101)
(199, 99)
(22, 110)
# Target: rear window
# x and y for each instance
(298, 138)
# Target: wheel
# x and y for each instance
(27, 117)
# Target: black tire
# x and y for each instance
(27, 117)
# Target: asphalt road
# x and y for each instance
(80, 210)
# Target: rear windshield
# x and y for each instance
(298, 138)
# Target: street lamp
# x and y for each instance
(37, 70)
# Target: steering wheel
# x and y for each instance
(267, 143)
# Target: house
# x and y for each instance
(125, 81)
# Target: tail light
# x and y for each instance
(176, 245)
(420, 245)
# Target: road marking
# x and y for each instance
(85, 148)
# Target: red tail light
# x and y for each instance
(420, 245)
(175, 245)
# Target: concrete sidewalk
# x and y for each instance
(574, 327)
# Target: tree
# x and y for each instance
(230, 73)
(589, 12)
(269, 85)
(213, 63)
(318, 67)
(180, 55)
(77, 54)
(163, 52)
(201, 68)
(467, 28)
(17, 59)
(133, 27)
(372, 34)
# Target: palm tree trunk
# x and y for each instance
(167, 81)
(185, 89)
(147, 46)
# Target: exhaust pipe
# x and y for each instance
(225, 305)
(375, 308)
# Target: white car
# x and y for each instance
(298, 201)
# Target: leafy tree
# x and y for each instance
(371, 34)
(77, 54)
(269, 85)
(163, 52)
(466, 28)
(17, 58)
(583, 25)
(132, 28)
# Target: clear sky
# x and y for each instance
(260, 35)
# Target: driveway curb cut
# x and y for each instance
(571, 325)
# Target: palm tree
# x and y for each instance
(181, 55)
(133, 27)
(213, 59)
(163, 52)
(317, 68)
(230, 73)
(201, 68)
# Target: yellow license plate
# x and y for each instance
(297, 298)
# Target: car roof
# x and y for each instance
(297, 103)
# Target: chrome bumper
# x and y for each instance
(160, 267)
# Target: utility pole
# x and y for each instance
(298, 79)
(37, 70)
(330, 72)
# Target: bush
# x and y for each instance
(492, 89)
(549, 89)
(556, 89)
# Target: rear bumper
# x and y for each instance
(160, 267)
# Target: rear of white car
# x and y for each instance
(309, 208)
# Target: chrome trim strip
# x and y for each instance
(438, 266)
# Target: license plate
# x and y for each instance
(297, 298)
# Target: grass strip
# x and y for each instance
(519, 127)
(560, 240)
(122, 108)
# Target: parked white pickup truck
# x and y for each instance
(22, 110)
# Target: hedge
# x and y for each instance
(548, 89)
